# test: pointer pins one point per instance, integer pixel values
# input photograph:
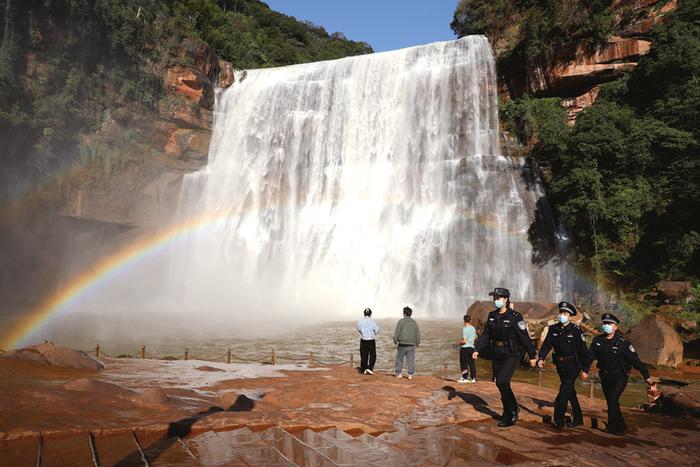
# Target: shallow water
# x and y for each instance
(330, 343)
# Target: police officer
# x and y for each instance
(569, 352)
(615, 357)
(505, 335)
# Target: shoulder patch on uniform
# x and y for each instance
(631, 348)
(522, 325)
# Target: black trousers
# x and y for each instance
(368, 355)
(567, 394)
(503, 368)
(614, 384)
(466, 361)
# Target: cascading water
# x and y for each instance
(375, 181)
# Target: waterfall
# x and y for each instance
(375, 180)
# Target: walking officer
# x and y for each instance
(505, 335)
(615, 357)
(569, 352)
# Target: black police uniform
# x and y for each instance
(505, 335)
(570, 354)
(615, 358)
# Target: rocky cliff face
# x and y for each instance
(144, 192)
(576, 77)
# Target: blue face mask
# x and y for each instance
(563, 318)
(607, 328)
(499, 303)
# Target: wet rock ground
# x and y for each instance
(175, 414)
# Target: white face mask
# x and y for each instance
(564, 318)
(499, 303)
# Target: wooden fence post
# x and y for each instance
(97, 351)
(143, 351)
(591, 395)
(228, 356)
(352, 360)
(273, 356)
(187, 353)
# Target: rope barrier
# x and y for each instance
(228, 357)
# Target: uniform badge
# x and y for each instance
(631, 348)
(522, 325)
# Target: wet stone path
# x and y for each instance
(335, 417)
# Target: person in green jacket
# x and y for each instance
(406, 338)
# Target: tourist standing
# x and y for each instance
(466, 351)
(615, 358)
(406, 338)
(505, 334)
(368, 329)
(569, 352)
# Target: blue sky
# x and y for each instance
(384, 24)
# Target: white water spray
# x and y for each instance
(375, 181)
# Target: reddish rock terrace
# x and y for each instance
(200, 413)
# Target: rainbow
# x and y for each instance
(100, 272)
(114, 263)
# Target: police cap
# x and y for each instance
(500, 292)
(567, 307)
(610, 318)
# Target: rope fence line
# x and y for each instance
(270, 359)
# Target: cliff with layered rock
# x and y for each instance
(563, 49)
(172, 141)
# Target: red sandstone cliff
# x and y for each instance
(144, 191)
(576, 77)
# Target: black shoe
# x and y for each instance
(506, 422)
(557, 426)
(574, 423)
(616, 430)
(516, 415)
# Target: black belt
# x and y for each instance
(568, 358)
(500, 343)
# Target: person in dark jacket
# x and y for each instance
(569, 352)
(406, 338)
(616, 356)
(505, 335)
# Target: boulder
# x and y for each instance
(226, 74)
(674, 291)
(531, 311)
(656, 342)
(50, 354)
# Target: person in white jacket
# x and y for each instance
(368, 329)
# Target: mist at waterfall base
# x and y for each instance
(374, 181)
